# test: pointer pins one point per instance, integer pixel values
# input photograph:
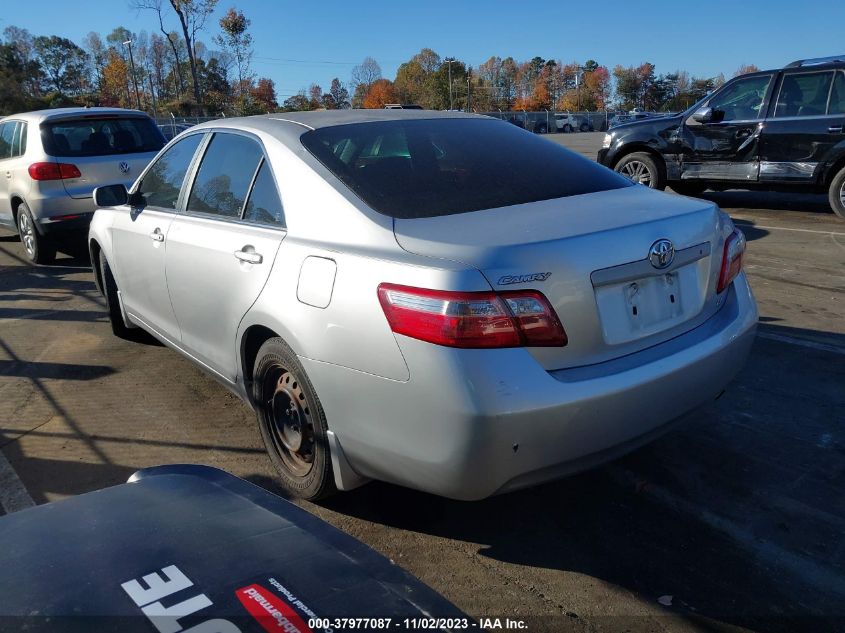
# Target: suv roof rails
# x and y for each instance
(816, 61)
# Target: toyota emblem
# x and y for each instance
(661, 253)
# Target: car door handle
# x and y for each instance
(743, 133)
(835, 129)
(157, 235)
(251, 257)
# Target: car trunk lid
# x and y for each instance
(104, 170)
(588, 255)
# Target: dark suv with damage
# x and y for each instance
(773, 130)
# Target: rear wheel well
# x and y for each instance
(16, 202)
(834, 169)
(254, 337)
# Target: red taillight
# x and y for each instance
(472, 319)
(732, 259)
(53, 171)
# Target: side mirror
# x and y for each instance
(111, 196)
(703, 115)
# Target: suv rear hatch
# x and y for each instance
(588, 255)
(106, 148)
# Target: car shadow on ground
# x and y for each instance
(735, 513)
(770, 201)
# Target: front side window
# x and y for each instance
(101, 135)
(837, 95)
(264, 205)
(803, 94)
(224, 176)
(424, 168)
(741, 100)
(162, 183)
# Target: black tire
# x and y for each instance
(688, 188)
(644, 169)
(542, 129)
(292, 422)
(567, 128)
(118, 327)
(585, 127)
(836, 194)
(37, 248)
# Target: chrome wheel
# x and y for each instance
(27, 233)
(291, 427)
(637, 171)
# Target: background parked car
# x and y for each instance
(781, 129)
(171, 130)
(53, 160)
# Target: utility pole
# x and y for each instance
(449, 61)
(469, 93)
(134, 79)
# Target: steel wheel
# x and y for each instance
(27, 233)
(637, 171)
(291, 426)
(842, 194)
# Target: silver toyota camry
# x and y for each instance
(439, 300)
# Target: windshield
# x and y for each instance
(432, 167)
(101, 136)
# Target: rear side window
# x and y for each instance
(431, 167)
(837, 95)
(103, 136)
(7, 137)
(803, 94)
(264, 205)
(224, 176)
(163, 181)
(19, 140)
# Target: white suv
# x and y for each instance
(565, 122)
(53, 159)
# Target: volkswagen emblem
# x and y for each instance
(661, 253)
(124, 167)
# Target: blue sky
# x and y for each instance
(329, 37)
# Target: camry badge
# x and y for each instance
(124, 167)
(661, 253)
(522, 279)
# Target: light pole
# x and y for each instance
(134, 79)
(450, 62)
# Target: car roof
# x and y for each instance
(289, 126)
(39, 116)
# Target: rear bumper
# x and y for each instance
(71, 223)
(59, 212)
(472, 423)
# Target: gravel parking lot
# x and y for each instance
(734, 520)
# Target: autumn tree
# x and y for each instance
(114, 81)
(380, 93)
(744, 69)
(264, 95)
(315, 96)
(236, 40)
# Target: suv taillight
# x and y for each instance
(731, 259)
(472, 319)
(53, 171)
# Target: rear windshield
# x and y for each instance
(430, 167)
(101, 136)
